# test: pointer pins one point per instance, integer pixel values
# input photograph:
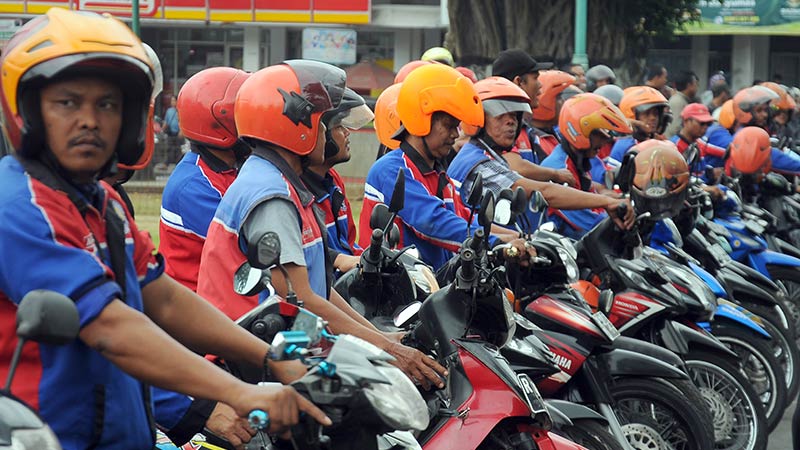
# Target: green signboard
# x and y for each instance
(775, 17)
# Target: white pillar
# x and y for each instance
(277, 45)
(749, 60)
(402, 48)
(251, 59)
(699, 64)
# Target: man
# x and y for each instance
(196, 186)
(579, 73)
(73, 109)
(656, 78)
(686, 84)
(586, 122)
(327, 185)
(520, 68)
(433, 101)
(695, 122)
(720, 93)
(504, 104)
(440, 55)
(278, 111)
(599, 75)
(646, 109)
(545, 116)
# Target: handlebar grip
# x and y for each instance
(477, 240)
(258, 419)
(375, 245)
(622, 211)
(468, 263)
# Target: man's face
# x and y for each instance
(580, 76)
(781, 117)
(650, 118)
(82, 119)
(695, 129)
(317, 156)
(530, 83)
(661, 80)
(502, 129)
(444, 132)
(597, 140)
(761, 114)
(341, 137)
(691, 89)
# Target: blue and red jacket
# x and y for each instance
(84, 398)
(188, 204)
(341, 228)
(433, 217)
(575, 223)
(619, 150)
(264, 176)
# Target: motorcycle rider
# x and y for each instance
(646, 108)
(598, 76)
(278, 112)
(586, 123)
(327, 185)
(504, 104)
(386, 121)
(750, 154)
(73, 109)
(545, 116)
(196, 186)
(781, 111)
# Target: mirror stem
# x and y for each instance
(291, 296)
(14, 362)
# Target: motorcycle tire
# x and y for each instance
(590, 434)
(759, 365)
(738, 415)
(787, 354)
(660, 413)
(789, 278)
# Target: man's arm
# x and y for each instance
(535, 172)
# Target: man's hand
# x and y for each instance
(716, 192)
(282, 403)
(395, 337)
(419, 367)
(287, 371)
(521, 252)
(345, 263)
(562, 176)
(613, 207)
(224, 423)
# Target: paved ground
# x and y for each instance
(781, 437)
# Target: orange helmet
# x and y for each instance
(638, 99)
(408, 68)
(585, 113)
(784, 102)
(282, 104)
(660, 180)
(750, 151)
(467, 72)
(433, 88)
(150, 136)
(726, 116)
(63, 43)
(553, 83)
(205, 106)
(387, 122)
(745, 100)
(499, 96)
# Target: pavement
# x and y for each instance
(781, 437)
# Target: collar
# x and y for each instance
(681, 137)
(273, 157)
(478, 142)
(419, 161)
(214, 163)
(317, 185)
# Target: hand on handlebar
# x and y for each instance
(519, 251)
(282, 404)
(419, 367)
(613, 208)
(225, 423)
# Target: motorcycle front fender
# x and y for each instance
(572, 411)
(680, 339)
(730, 313)
(622, 362)
(766, 258)
(649, 349)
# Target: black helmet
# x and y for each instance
(352, 113)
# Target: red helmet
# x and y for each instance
(408, 68)
(205, 106)
(553, 83)
(748, 98)
(784, 102)
(467, 72)
(585, 113)
(750, 151)
(661, 178)
(283, 104)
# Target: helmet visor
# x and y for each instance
(353, 118)
(497, 107)
(321, 84)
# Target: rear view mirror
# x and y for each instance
(486, 213)
(605, 301)
(520, 202)
(677, 239)
(405, 315)
(398, 193)
(248, 280)
(503, 211)
(626, 172)
(47, 317)
(380, 217)
(475, 192)
(394, 236)
(608, 179)
(537, 202)
(267, 251)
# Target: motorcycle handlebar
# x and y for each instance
(374, 252)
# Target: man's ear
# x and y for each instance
(517, 80)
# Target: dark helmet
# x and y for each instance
(352, 113)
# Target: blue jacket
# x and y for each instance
(619, 150)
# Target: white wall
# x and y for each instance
(749, 60)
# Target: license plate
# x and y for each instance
(532, 396)
(605, 325)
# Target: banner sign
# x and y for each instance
(329, 45)
(780, 17)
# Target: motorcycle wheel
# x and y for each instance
(759, 366)
(789, 278)
(591, 434)
(657, 413)
(738, 416)
(788, 356)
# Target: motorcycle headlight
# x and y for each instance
(569, 264)
(36, 438)
(398, 404)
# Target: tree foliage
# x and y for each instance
(619, 32)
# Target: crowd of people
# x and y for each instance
(263, 151)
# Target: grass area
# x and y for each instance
(148, 208)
